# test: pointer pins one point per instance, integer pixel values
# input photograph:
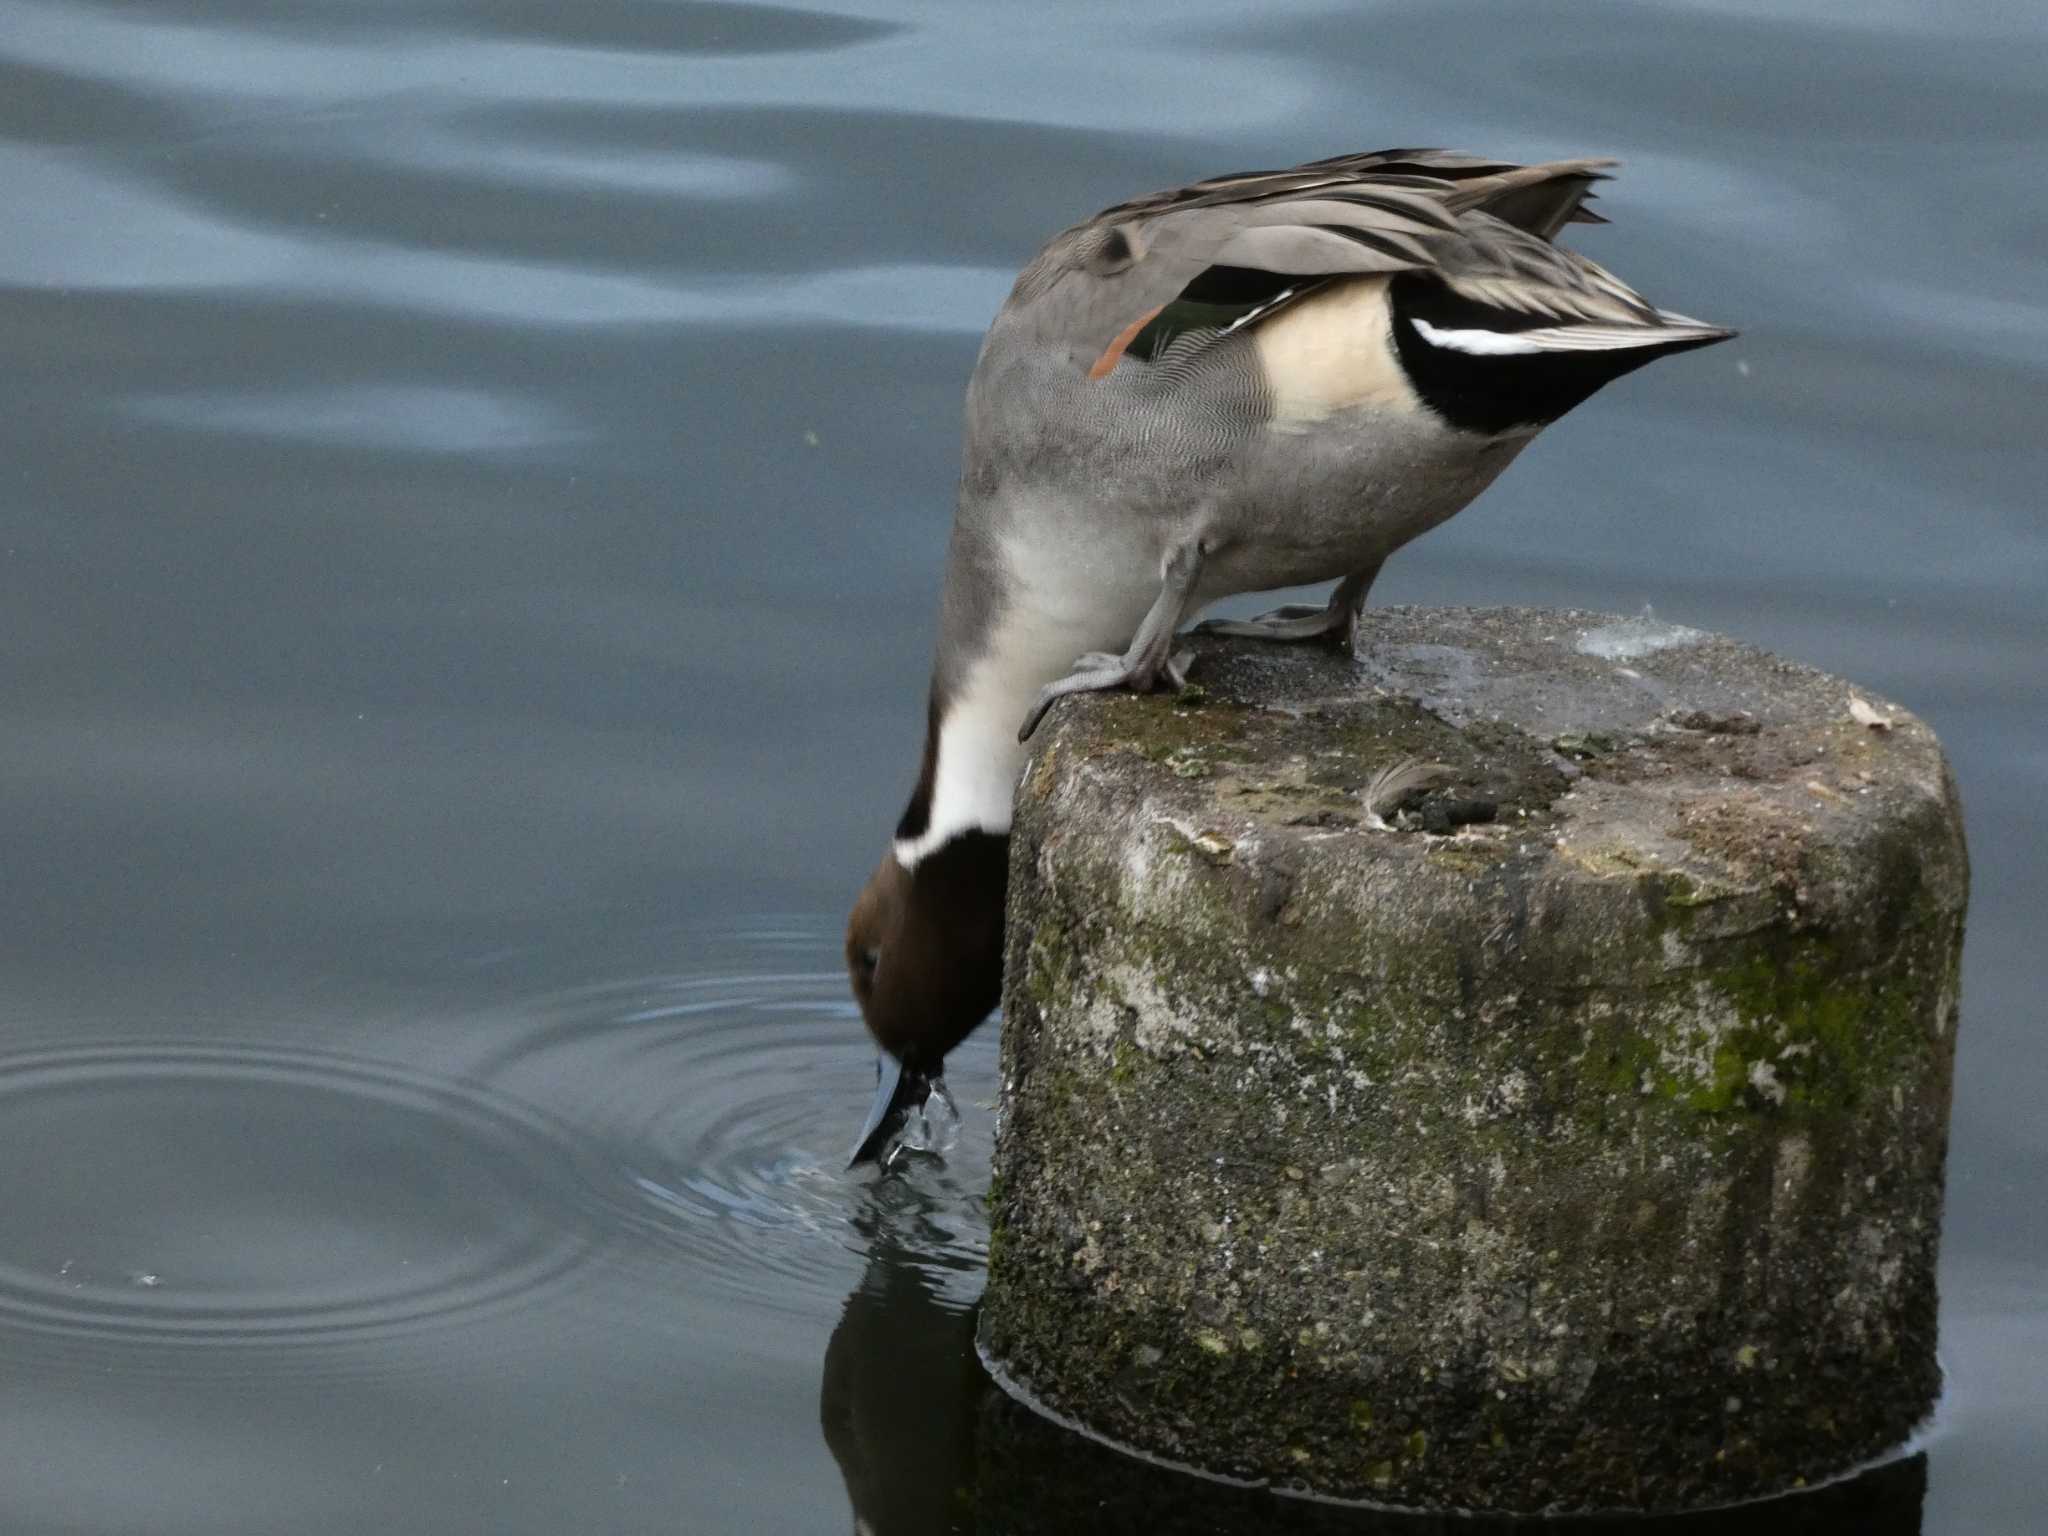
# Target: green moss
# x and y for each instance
(998, 1226)
(1798, 1028)
(1326, 758)
(1411, 1111)
(1045, 773)
(1474, 857)
(1825, 1034)
(1048, 975)
(1123, 1062)
(1799, 1033)
(1586, 744)
(1683, 891)
(1159, 726)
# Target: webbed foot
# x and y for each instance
(1290, 621)
(1100, 671)
(1334, 623)
(1150, 663)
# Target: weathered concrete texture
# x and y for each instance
(1589, 1156)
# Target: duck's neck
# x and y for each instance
(942, 970)
(971, 760)
(1008, 625)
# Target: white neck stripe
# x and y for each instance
(975, 776)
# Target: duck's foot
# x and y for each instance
(1290, 621)
(1100, 671)
(1151, 663)
(1334, 623)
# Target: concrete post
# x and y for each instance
(1561, 1128)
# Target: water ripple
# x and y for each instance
(566, 1153)
(397, 418)
(233, 1195)
(188, 248)
(724, 1105)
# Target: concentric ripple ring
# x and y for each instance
(314, 1197)
(721, 1101)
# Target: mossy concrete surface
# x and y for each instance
(1583, 1153)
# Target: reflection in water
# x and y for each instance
(482, 495)
(902, 1383)
(1037, 1479)
(928, 1444)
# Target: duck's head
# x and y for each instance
(924, 951)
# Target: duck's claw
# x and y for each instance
(1099, 671)
(1150, 663)
(1335, 623)
(1290, 621)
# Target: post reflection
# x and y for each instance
(929, 1446)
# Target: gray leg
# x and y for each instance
(1150, 660)
(1335, 622)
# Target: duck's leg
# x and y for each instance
(1149, 662)
(1335, 622)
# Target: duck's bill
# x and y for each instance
(897, 1093)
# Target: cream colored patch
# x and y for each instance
(1331, 352)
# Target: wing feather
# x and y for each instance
(1307, 250)
(1133, 273)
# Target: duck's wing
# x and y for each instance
(1507, 332)
(1505, 293)
(1541, 198)
(1222, 253)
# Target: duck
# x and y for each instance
(1260, 380)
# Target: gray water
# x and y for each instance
(471, 503)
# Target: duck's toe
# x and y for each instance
(1100, 671)
(1291, 621)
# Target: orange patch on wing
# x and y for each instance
(1124, 338)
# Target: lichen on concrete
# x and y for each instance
(1484, 1168)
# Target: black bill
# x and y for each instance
(897, 1092)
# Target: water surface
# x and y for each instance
(470, 513)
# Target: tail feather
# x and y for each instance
(1493, 369)
(1481, 341)
(1540, 199)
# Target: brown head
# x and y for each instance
(924, 947)
(924, 950)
